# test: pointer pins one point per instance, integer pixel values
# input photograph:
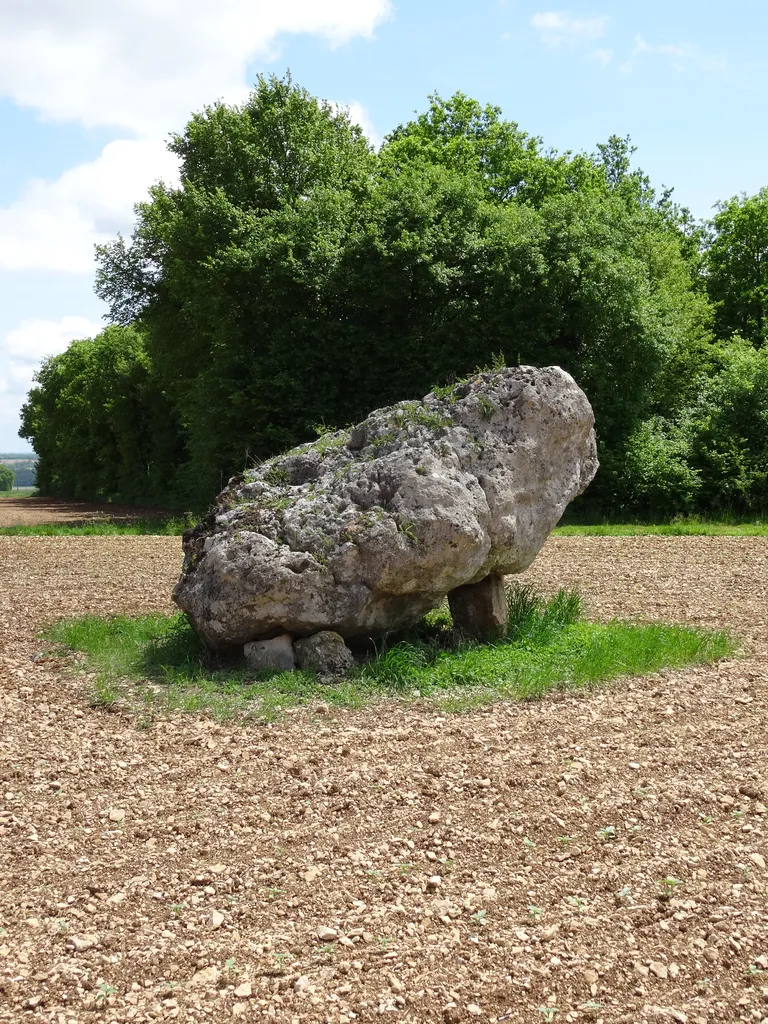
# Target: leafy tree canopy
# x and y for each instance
(296, 277)
(99, 423)
(737, 267)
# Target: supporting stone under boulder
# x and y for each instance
(479, 610)
(275, 655)
(324, 653)
(365, 530)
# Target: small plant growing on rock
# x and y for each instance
(408, 529)
(419, 415)
(277, 475)
(487, 408)
(276, 504)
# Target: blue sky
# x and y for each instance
(89, 91)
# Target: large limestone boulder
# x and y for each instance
(365, 530)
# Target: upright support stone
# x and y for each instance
(480, 609)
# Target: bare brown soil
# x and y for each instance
(393, 863)
(30, 511)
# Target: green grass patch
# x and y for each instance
(167, 526)
(20, 492)
(682, 528)
(723, 525)
(157, 662)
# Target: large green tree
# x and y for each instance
(737, 267)
(564, 258)
(6, 478)
(228, 273)
(295, 277)
(99, 423)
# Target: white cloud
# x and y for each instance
(144, 65)
(603, 56)
(668, 49)
(20, 353)
(54, 225)
(679, 56)
(557, 28)
(33, 340)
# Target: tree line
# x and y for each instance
(296, 279)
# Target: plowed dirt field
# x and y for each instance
(27, 511)
(593, 857)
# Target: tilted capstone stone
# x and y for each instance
(365, 530)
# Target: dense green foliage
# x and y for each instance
(100, 423)
(6, 478)
(737, 267)
(157, 661)
(297, 278)
(713, 454)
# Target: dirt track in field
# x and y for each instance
(393, 863)
(27, 511)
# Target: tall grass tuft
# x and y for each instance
(531, 618)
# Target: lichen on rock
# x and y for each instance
(365, 530)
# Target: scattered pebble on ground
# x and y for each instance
(581, 858)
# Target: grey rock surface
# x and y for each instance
(324, 653)
(271, 655)
(365, 530)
